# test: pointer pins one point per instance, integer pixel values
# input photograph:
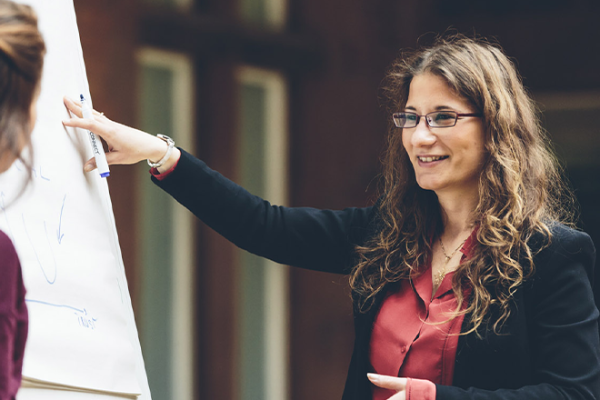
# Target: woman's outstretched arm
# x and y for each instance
(322, 240)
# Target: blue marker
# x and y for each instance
(95, 142)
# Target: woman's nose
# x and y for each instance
(422, 136)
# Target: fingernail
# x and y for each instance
(87, 168)
(373, 377)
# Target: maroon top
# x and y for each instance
(13, 320)
(413, 336)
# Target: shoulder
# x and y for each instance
(564, 242)
(10, 268)
(568, 254)
(568, 240)
(7, 249)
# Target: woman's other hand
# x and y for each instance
(126, 145)
(390, 382)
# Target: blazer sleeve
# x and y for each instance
(315, 239)
(563, 328)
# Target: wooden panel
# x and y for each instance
(107, 30)
(213, 36)
(216, 293)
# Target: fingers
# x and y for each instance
(88, 124)
(127, 145)
(112, 158)
(78, 122)
(100, 125)
(388, 382)
(90, 165)
(75, 108)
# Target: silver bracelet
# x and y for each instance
(171, 144)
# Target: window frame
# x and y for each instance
(276, 161)
(182, 344)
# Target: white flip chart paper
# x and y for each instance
(82, 333)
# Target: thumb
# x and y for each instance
(388, 382)
(90, 165)
(112, 158)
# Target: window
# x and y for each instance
(263, 301)
(264, 13)
(174, 3)
(165, 303)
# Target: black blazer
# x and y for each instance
(548, 349)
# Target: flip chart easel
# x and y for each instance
(83, 342)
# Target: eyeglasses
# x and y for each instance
(437, 119)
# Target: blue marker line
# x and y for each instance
(58, 234)
(36, 254)
(56, 305)
(43, 177)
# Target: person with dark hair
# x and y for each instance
(468, 280)
(22, 51)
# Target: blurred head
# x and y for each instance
(22, 52)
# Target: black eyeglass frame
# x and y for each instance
(428, 119)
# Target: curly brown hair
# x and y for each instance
(521, 188)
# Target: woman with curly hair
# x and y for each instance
(467, 282)
(22, 52)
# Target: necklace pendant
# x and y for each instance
(439, 277)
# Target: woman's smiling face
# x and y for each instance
(444, 159)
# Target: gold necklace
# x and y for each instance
(439, 277)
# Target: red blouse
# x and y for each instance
(412, 338)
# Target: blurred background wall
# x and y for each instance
(282, 96)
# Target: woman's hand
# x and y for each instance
(390, 382)
(125, 145)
